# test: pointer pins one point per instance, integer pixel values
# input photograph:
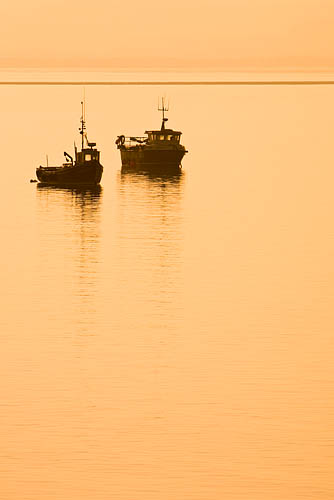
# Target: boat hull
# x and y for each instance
(151, 159)
(89, 173)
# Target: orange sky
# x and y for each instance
(220, 34)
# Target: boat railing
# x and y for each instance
(134, 141)
(51, 167)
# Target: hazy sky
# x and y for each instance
(221, 34)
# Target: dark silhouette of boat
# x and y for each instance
(84, 169)
(158, 151)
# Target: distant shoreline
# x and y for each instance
(138, 83)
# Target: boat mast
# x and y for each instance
(163, 108)
(83, 123)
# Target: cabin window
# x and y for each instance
(88, 157)
(162, 138)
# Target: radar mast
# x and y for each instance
(83, 123)
(164, 107)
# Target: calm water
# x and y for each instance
(169, 338)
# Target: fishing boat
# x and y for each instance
(157, 151)
(85, 168)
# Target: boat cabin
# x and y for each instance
(88, 154)
(156, 136)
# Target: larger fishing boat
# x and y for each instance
(85, 168)
(157, 151)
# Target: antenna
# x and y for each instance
(83, 122)
(84, 103)
(163, 108)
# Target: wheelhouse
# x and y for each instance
(166, 135)
(88, 155)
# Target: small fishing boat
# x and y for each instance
(85, 168)
(158, 151)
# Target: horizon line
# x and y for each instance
(181, 82)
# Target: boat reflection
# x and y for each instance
(86, 198)
(69, 205)
(94, 190)
(150, 241)
(159, 175)
(158, 194)
(69, 221)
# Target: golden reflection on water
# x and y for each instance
(76, 240)
(150, 217)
